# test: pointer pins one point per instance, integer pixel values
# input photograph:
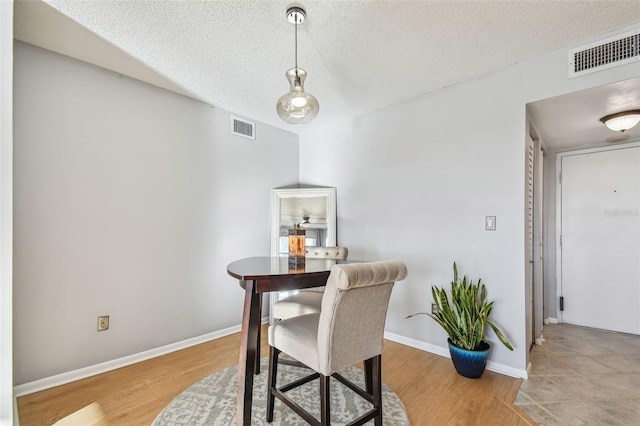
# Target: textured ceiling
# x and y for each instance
(360, 55)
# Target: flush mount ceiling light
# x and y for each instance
(297, 106)
(622, 121)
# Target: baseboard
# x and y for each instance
(418, 344)
(498, 367)
(16, 417)
(553, 321)
(439, 350)
(82, 373)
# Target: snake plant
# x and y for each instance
(465, 316)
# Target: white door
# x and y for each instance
(533, 243)
(538, 260)
(600, 239)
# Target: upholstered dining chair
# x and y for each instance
(348, 329)
(307, 301)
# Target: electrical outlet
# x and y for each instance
(435, 309)
(103, 323)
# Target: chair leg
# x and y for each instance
(325, 400)
(368, 375)
(376, 379)
(271, 381)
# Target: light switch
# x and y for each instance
(490, 223)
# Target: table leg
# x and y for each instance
(248, 352)
(257, 364)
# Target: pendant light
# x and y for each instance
(621, 121)
(305, 222)
(297, 106)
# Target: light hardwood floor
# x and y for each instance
(432, 392)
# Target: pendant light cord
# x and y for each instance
(296, 39)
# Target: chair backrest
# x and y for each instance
(339, 253)
(354, 311)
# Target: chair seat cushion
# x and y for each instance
(302, 303)
(297, 337)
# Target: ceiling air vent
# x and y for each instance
(243, 128)
(612, 52)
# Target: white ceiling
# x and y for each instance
(360, 55)
(573, 120)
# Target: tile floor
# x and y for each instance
(583, 376)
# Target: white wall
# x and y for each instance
(129, 201)
(416, 180)
(6, 211)
(551, 299)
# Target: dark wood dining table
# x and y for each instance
(259, 275)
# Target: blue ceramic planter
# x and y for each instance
(469, 364)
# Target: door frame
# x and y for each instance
(559, 157)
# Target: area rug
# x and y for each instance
(212, 400)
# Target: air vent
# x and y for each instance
(612, 52)
(243, 128)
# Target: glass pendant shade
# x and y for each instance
(297, 106)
